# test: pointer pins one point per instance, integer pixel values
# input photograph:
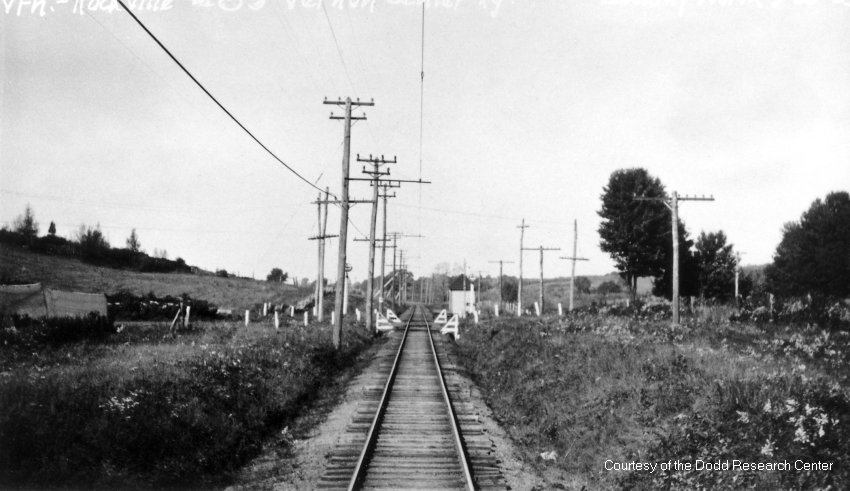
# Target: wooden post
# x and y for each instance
(370, 278)
(519, 285)
(496, 308)
(560, 310)
(276, 320)
(291, 311)
(265, 309)
(541, 281)
(186, 319)
(306, 318)
(537, 309)
(247, 317)
(674, 207)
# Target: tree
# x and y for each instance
(509, 289)
(93, 243)
(51, 230)
(813, 257)
(582, 284)
(716, 263)
(277, 275)
(26, 225)
(635, 233)
(133, 242)
(609, 287)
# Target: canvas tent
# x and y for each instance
(37, 301)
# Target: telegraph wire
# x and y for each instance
(219, 104)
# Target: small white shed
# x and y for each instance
(461, 296)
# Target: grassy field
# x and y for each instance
(74, 275)
(143, 410)
(597, 388)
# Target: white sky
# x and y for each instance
(529, 107)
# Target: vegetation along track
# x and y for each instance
(409, 433)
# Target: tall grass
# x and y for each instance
(594, 388)
(145, 411)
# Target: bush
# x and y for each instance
(124, 305)
(56, 330)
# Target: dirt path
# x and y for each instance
(298, 456)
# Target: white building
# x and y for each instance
(461, 296)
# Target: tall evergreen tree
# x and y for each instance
(814, 254)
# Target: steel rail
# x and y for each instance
(372, 437)
(463, 457)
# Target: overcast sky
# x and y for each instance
(529, 107)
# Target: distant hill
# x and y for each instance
(72, 274)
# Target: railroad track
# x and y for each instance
(408, 434)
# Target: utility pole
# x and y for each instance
(541, 249)
(343, 221)
(320, 277)
(574, 258)
(501, 263)
(673, 204)
(737, 275)
(375, 174)
(385, 186)
(519, 285)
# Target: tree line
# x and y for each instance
(90, 245)
(812, 259)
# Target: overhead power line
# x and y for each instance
(219, 104)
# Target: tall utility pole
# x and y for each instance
(519, 285)
(673, 204)
(574, 258)
(385, 186)
(541, 249)
(343, 220)
(322, 235)
(375, 174)
(501, 265)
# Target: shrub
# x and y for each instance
(27, 331)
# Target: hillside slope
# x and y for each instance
(72, 274)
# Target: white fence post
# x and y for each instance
(291, 311)
(560, 310)
(247, 317)
(306, 318)
(276, 320)
(497, 310)
(186, 319)
(537, 309)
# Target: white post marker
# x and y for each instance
(276, 320)
(291, 311)
(475, 313)
(332, 317)
(357, 312)
(314, 311)
(451, 327)
(441, 319)
(247, 317)
(306, 318)
(537, 309)
(265, 309)
(560, 310)
(496, 308)
(186, 319)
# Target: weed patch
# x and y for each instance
(159, 413)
